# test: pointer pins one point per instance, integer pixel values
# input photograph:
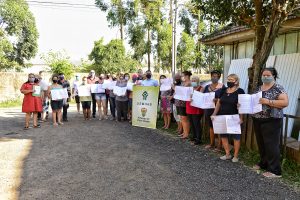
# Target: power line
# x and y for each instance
(61, 3)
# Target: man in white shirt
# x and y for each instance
(75, 86)
(44, 88)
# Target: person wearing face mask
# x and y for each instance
(76, 83)
(181, 106)
(269, 122)
(101, 101)
(130, 94)
(92, 79)
(56, 105)
(177, 82)
(65, 84)
(112, 100)
(149, 81)
(31, 104)
(44, 88)
(227, 104)
(122, 101)
(86, 100)
(215, 87)
(195, 114)
(165, 104)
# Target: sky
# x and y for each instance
(72, 29)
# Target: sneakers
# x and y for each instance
(235, 160)
(225, 157)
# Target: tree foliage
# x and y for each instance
(186, 52)
(18, 34)
(59, 62)
(111, 58)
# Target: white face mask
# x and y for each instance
(126, 78)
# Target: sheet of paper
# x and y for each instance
(203, 100)
(84, 91)
(59, 94)
(97, 88)
(106, 84)
(183, 93)
(219, 124)
(166, 84)
(130, 86)
(120, 91)
(37, 91)
(249, 104)
(111, 85)
(245, 104)
(227, 124)
(233, 124)
(257, 107)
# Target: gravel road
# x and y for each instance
(111, 160)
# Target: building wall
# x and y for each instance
(284, 44)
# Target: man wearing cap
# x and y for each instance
(92, 79)
(76, 83)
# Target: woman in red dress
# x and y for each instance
(31, 103)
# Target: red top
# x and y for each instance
(31, 103)
(191, 110)
(91, 80)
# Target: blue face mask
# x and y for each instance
(267, 79)
(194, 84)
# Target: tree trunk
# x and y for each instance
(149, 49)
(122, 32)
(264, 40)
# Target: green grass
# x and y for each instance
(290, 169)
(11, 103)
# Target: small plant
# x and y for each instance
(11, 103)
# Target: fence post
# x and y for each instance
(285, 135)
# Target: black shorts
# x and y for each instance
(77, 100)
(181, 111)
(86, 104)
(56, 105)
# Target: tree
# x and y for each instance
(59, 62)
(164, 46)
(18, 34)
(185, 52)
(263, 16)
(119, 12)
(111, 58)
(136, 36)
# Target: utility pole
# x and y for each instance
(174, 46)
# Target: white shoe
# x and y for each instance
(235, 160)
(225, 157)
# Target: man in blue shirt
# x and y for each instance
(149, 81)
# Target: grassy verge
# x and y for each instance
(290, 169)
(11, 103)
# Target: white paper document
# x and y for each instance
(97, 88)
(84, 91)
(183, 93)
(249, 104)
(166, 84)
(120, 91)
(37, 91)
(111, 85)
(59, 93)
(106, 84)
(203, 100)
(130, 86)
(229, 124)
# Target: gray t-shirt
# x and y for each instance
(122, 83)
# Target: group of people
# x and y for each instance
(267, 123)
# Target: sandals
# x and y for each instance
(37, 126)
(271, 175)
(26, 127)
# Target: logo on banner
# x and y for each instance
(144, 111)
(145, 95)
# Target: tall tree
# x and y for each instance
(186, 52)
(111, 57)
(119, 12)
(263, 16)
(18, 34)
